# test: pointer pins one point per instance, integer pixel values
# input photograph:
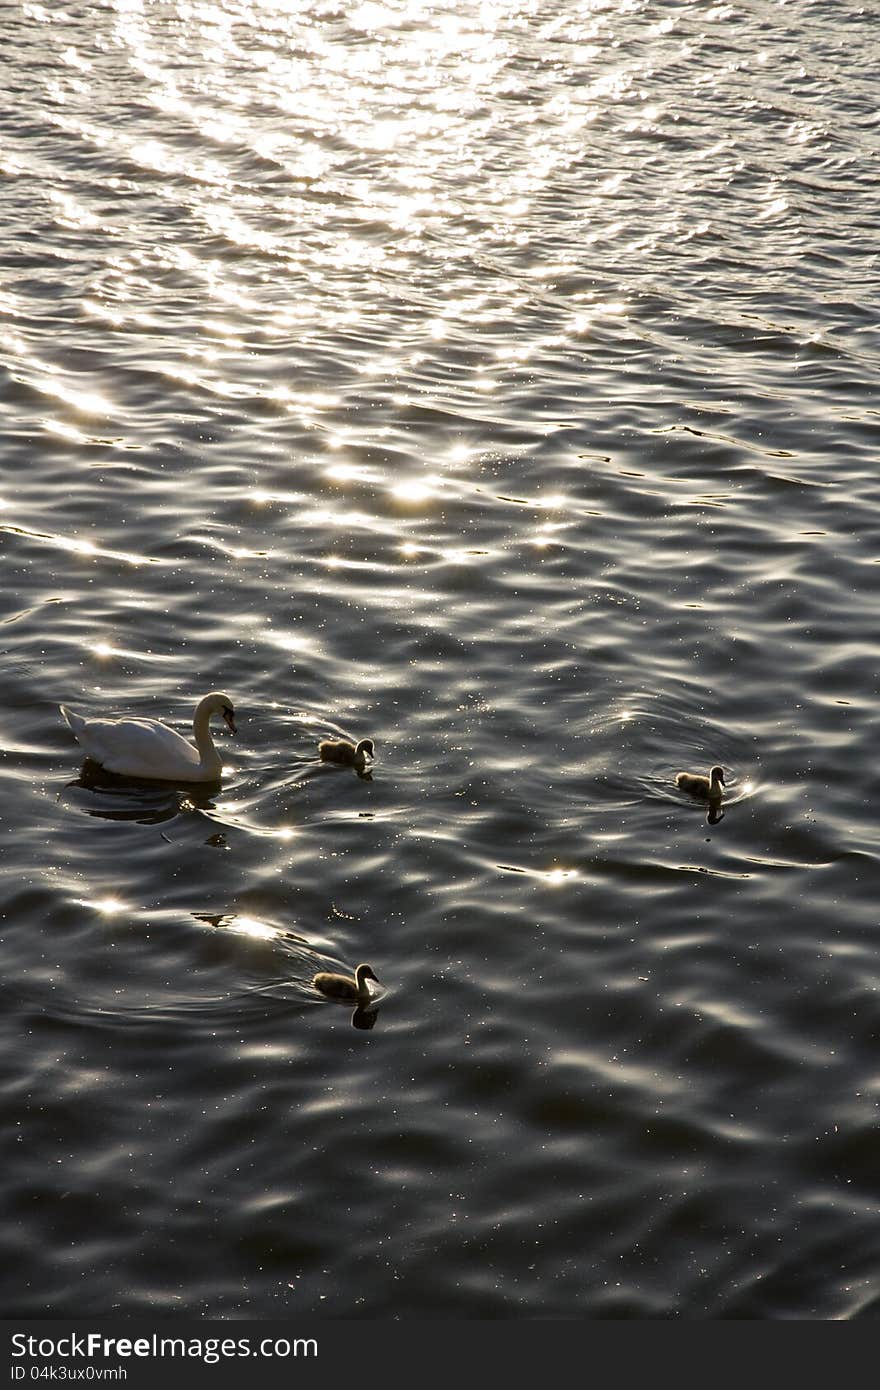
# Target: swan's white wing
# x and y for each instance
(136, 747)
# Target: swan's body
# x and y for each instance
(146, 748)
(707, 788)
(344, 987)
(342, 750)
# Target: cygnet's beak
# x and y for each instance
(229, 720)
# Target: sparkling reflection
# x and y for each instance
(412, 491)
(107, 906)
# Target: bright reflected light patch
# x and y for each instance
(107, 906)
(369, 17)
(65, 431)
(343, 472)
(251, 926)
(85, 402)
(288, 641)
(411, 492)
(557, 876)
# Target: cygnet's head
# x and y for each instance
(365, 748)
(717, 775)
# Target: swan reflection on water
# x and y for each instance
(140, 799)
(364, 1018)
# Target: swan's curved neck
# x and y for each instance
(204, 742)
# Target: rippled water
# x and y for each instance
(497, 381)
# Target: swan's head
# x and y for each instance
(364, 972)
(365, 749)
(717, 775)
(215, 703)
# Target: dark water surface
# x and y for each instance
(499, 382)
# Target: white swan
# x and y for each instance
(344, 987)
(146, 748)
